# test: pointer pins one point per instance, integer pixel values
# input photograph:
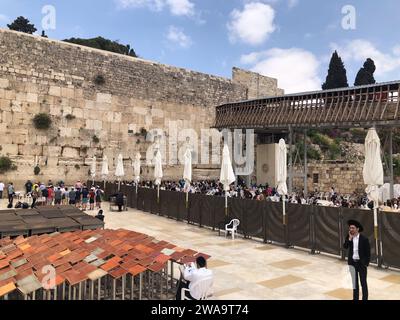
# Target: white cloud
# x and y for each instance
(293, 3)
(181, 7)
(156, 5)
(177, 36)
(359, 50)
(396, 50)
(176, 7)
(4, 19)
(253, 25)
(296, 69)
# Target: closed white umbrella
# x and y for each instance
(158, 172)
(104, 170)
(93, 169)
(373, 172)
(136, 170)
(119, 170)
(227, 176)
(282, 173)
(187, 172)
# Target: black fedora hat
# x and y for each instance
(356, 224)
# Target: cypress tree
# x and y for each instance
(366, 74)
(336, 77)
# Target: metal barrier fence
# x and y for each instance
(316, 228)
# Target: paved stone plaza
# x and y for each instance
(250, 269)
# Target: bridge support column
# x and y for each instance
(305, 165)
(290, 176)
(391, 164)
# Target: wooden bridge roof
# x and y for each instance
(361, 106)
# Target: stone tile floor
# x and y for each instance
(250, 270)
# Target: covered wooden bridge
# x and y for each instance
(362, 106)
(367, 106)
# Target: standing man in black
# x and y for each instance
(359, 255)
(119, 200)
(28, 186)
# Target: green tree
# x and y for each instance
(366, 74)
(336, 77)
(22, 24)
(104, 44)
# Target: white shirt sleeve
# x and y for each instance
(188, 273)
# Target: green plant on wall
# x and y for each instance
(36, 170)
(6, 164)
(312, 153)
(95, 139)
(70, 117)
(42, 121)
(84, 149)
(99, 80)
(143, 132)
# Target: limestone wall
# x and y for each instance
(259, 87)
(345, 177)
(43, 75)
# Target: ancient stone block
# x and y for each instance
(55, 91)
(4, 83)
(104, 97)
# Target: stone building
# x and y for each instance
(103, 103)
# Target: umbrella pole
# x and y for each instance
(187, 199)
(136, 187)
(226, 203)
(376, 230)
(284, 212)
(119, 184)
(158, 193)
(104, 185)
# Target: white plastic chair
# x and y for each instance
(204, 286)
(234, 223)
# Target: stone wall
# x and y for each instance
(42, 75)
(345, 177)
(258, 85)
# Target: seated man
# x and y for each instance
(100, 215)
(190, 275)
(119, 200)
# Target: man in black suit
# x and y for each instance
(359, 254)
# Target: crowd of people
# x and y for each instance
(39, 193)
(269, 193)
(87, 198)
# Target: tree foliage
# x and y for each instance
(22, 24)
(337, 77)
(104, 44)
(366, 74)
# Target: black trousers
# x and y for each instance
(33, 203)
(183, 284)
(360, 272)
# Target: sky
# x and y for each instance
(291, 40)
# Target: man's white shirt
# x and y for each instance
(356, 256)
(193, 275)
(1, 186)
